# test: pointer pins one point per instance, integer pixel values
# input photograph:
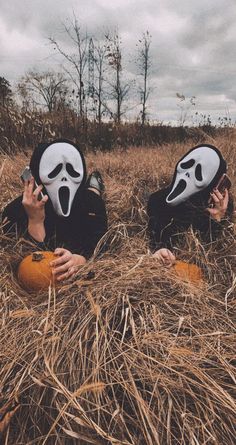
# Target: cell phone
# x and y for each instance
(224, 183)
(26, 176)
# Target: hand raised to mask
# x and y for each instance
(34, 207)
(35, 210)
(220, 203)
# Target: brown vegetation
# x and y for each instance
(21, 129)
(125, 353)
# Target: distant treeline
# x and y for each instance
(21, 130)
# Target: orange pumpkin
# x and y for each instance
(34, 272)
(188, 271)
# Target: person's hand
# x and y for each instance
(34, 208)
(220, 203)
(165, 256)
(66, 265)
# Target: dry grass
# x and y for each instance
(133, 355)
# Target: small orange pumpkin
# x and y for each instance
(188, 271)
(34, 272)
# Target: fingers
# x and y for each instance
(218, 194)
(60, 261)
(32, 196)
(217, 197)
(28, 187)
(226, 198)
(165, 256)
(44, 200)
(40, 202)
(60, 251)
(220, 204)
(63, 268)
(37, 191)
(68, 274)
(64, 256)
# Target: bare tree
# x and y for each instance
(27, 100)
(144, 64)
(119, 89)
(5, 92)
(100, 55)
(76, 60)
(47, 86)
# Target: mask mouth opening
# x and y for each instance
(64, 195)
(181, 186)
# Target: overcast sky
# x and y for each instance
(193, 48)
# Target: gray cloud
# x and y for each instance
(192, 51)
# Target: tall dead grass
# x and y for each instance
(125, 353)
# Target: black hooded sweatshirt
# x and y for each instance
(167, 225)
(79, 232)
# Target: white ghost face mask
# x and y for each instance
(61, 171)
(194, 173)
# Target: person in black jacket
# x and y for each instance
(60, 209)
(192, 200)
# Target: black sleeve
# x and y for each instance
(167, 225)
(160, 224)
(95, 223)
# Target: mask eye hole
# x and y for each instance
(72, 172)
(198, 172)
(187, 164)
(55, 172)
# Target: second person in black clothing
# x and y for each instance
(192, 200)
(60, 209)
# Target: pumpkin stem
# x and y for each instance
(37, 256)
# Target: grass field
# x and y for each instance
(133, 356)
